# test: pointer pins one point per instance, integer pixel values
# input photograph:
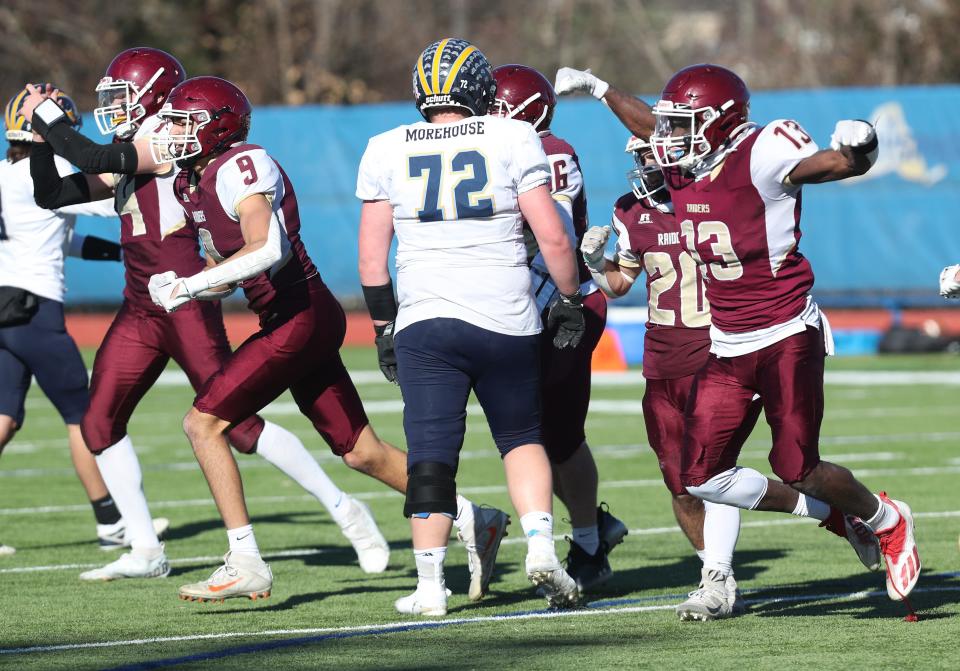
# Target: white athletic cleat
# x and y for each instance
(555, 583)
(242, 575)
(6, 550)
(482, 541)
(863, 541)
(361, 530)
(710, 601)
(900, 552)
(114, 536)
(428, 599)
(131, 565)
(737, 605)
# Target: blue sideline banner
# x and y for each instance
(877, 240)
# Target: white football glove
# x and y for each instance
(857, 134)
(593, 245)
(949, 287)
(570, 80)
(161, 289)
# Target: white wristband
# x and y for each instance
(49, 112)
(600, 89)
(196, 284)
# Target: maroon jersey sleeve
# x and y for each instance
(677, 339)
(211, 204)
(743, 223)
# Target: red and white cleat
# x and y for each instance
(899, 549)
(863, 541)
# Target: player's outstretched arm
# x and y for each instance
(51, 123)
(612, 278)
(52, 191)
(376, 234)
(634, 114)
(853, 151)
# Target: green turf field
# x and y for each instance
(811, 604)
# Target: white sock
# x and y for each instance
(285, 451)
(587, 538)
(721, 529)
(148, 553)
(538, 528)
(807, 506)
(464, 516)
(701, 554)
(120, 469)
(242, 541)
(430, 566)
(885, 518)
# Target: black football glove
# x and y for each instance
(385, 353)
(566, 316)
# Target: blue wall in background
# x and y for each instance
(887, 235)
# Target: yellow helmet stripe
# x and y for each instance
(11, 120)
(423, 77)
(435, 73)
(455, 68)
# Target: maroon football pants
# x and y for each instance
(788, 375)
(135, 351)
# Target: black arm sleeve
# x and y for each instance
(98, 249)
(50, 190)
(119, 157)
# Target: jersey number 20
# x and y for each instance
(468, 169)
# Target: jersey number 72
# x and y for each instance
(468, 168)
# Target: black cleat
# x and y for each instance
(589, 571)
(611, 529)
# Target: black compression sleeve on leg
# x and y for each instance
(50, 190)
(90, 157)
(431, 488)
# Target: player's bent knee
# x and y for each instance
(198, 424)
(8, 427)
(99, 433)
(431, 488)
(738, 486)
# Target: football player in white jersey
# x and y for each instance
(455, 189)
(33, 341)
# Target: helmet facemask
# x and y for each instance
(646, 179)
(179, 139)
(119, 109)
(679, 137)
(502, 108)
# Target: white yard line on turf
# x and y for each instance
(176, 378)
(413, 625)
(306, 552)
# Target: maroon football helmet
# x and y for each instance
(136, 85)
(525, 94)
(204, 115)
(700, 108)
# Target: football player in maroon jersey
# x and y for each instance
(736, 188)
(246, 213)
(142, 337)
(525, 94)
(676, 345)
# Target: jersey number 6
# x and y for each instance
(470, 169)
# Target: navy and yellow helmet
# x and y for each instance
(18, 128)
(453, 73)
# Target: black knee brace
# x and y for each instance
(431, 488)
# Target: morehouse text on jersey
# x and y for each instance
(447, 131)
